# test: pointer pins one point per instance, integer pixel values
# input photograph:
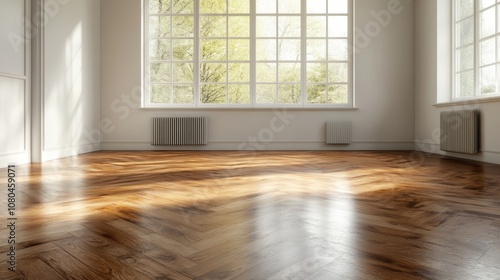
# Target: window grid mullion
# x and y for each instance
(227, 51)
(477, 29)
(171, 65)
(496, 47)
(196, 54)
(277, 52)
(303, 52)
(327, 89)
(253, 54)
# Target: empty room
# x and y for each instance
(249, 139)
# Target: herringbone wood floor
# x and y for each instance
(270, 215)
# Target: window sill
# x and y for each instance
(468, 102)
(254, 108)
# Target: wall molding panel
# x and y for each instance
(15, 83)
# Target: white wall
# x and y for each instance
(71, 85)
(433, 84)
(384, 90)
(14, 83)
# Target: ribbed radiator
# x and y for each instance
(460, 131)
(179, 131)
(338, 132)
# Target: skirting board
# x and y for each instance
(70, 151)
(19, 158)
(270, 146)
(484, 156)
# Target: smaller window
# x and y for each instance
(476, 52)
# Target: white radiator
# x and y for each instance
(338, 132)
(179, 131)
(460, 131)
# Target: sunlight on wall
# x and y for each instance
(73, 84)
(63, 108)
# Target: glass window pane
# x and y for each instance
(266, 26)
(159, 49)
(316, 26)
(289, 93)
(213, 49)
(239, 49)
(213, 6)
(159, 94)
(182, 6)
(488, 81)
(239, 72)
(316, 49)
(289, 72)
(289, 49)
(266, 49)
(316, 73)
(159, 26)
(289, 26)
(159, 6)
(183, 72)
(338, 94)
(338, 26)
(213, 72)
(465, 8)
(159, 72)
(213, 26)
(486, 3)
(266, 6)
(183, 49)
(338, 6)
(289, 6)
(487, 50)
(465, 32)
(182, 26)
(316, 6)
(465, 58)
(183, 94)
(338, 49)
(498, 20)
(239, 6)
(498, 49)
(239, 94)
(213, 94)
(266, 72)
(487, 22)
(338, 73)
(239, 26)
(465, 84)
(316, 94)
(266, 94)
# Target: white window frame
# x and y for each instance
(196, 84)
(477, 52)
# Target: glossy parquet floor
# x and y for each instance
(270, 215)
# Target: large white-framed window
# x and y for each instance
(476, 48)
(247, 53)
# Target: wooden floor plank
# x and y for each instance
(34, 268)
(68, 266)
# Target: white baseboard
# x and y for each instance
(15, 159)
(433, 148)
(270, 146)
(70, 151)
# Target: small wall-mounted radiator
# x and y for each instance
(179, 131)
(338, 132)
(460, 131)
